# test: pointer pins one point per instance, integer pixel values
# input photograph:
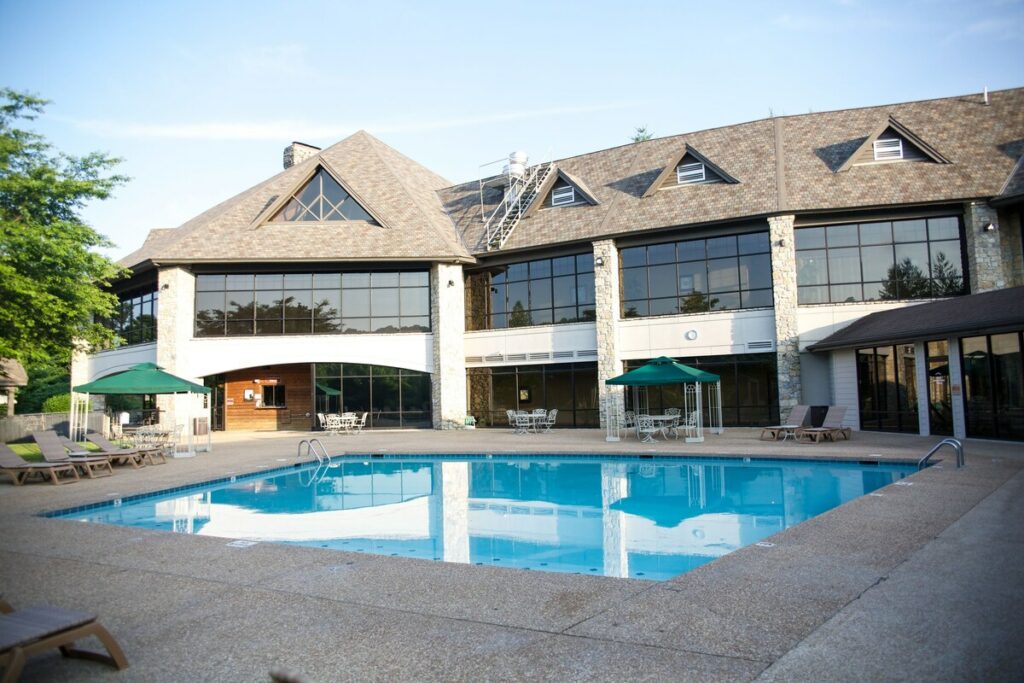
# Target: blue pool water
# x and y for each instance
(648, 519)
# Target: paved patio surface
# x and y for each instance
(923, 582)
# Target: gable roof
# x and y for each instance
(545, 189)
(902, 131)
(674, 162)
(1013, 189)
(986, 313)
(400, 193)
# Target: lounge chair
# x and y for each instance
(19, 469)
(797, 417)
(136, 457)
(830, 428)
(27, 632)
(53, 451)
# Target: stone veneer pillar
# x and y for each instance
(984, 256)
(176, 297)
(448, 321)
(784, 294)
(606, 299)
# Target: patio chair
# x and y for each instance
(831, 427)
(53, 451)
(550, 419)
(689, 428)
(646, 428)
(19, 469)
(511, 415)
(629, 421)
(136, 457)
(523, 423)
(27, 632)
(797, 417)
(357, 425)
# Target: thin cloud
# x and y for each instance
(277, 130)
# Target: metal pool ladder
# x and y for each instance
(954, 443)
(316, 448)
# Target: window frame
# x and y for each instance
(883, 149)
(565, 199)
(685, 171)
(278, 393)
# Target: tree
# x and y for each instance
(53, 287)
(641, 134)
(946, 277)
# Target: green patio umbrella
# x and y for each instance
(144, 378)
(660, 371)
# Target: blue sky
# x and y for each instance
(200, 98)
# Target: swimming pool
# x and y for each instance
(626, 517)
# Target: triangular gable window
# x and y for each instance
(562, 194)
(892, 142)
(688, 167)
(322, 199)
(562, 189)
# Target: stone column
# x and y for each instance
(921, 381)
(787, 351)
(956, 389)
(607, 305)
(176, 297)
(984, 256)
(1010, 237)
(448, 320)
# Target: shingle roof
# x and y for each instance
(396, 189)
(986, 313)
(785, 164)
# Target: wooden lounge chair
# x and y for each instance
(136, 457)
(830, 428)
(19, 469)
(53, 451)
(27, 632)
(797, 417)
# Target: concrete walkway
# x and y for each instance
(922, 582)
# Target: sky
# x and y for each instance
(200, 98)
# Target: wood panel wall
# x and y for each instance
(240, 414)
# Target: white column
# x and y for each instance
(606, 300)
(921, 378)
(449, 510)
(175, 319)
(448, 321)
(784, 295)
(956, 389)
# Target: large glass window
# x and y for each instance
(994, 386)
(322, 199)
(312, 303)
(695, 276)
(749, 388)
(887, 388)
(569, 387)
(393, 397)
(134, 321)
(539, 292)
(879, 261)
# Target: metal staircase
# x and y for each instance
(520, 194)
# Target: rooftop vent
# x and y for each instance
(297, 152)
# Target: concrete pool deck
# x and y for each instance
(923, 582)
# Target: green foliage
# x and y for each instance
(44, 381)
(61, 403)
(51, 284)
(641, 134)
(519, 316)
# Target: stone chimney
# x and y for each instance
(297, 152)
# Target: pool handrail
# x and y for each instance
(314, 447)
(954, 444)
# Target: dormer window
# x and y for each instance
(888, 150)
(322, 199)
(687, 174)
(561, 196)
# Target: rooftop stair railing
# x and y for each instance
(952, 443)
(314, 447)
(520, 195)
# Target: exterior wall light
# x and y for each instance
(990, 227)
(599, 261)
(451, 283)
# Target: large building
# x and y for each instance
(805, 259)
